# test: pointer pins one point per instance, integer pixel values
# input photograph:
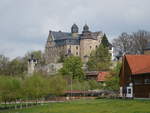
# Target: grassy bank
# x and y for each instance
(90, 106)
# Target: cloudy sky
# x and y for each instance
(24, 24)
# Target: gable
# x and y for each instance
(125, 72)
(138, 64)
(50, 36)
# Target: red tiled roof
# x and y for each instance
(139, 64)
(102, 76)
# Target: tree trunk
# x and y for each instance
(27, 103)
(5, 104)
(36, 101)
(15, 103)
(20, 104)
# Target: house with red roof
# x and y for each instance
(98, 76)
(102, 76)
(135, 76)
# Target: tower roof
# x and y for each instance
(85, 28)
(74, 28)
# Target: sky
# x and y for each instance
(25, 24)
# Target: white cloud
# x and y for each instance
(14, 49)
(27, 22)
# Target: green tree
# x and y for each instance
(100, 60)
(112, 82)
(73, 66)
(56, 85)
(105, 41)
(94, 84)
(5, 86)
(35, 87)
(10, 88)
(17, 66)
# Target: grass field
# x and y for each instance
(90, 106)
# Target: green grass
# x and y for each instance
(90, 106)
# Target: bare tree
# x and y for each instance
(3, 64)
(122, 43)
(140, 40)
(131, 43)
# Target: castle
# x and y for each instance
(71, 43)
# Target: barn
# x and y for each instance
(135, 76)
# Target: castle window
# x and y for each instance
(90, 47)
(76, 53)
(77, 47)
(96, 46)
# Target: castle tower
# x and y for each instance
(85, 29)
(74, 30)
(89, 41)
(31, 65)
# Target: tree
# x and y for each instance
(10, 88)
(14, 67)
(73, 66)
(5, 88)
(105, 41)
(112, 82)
(123, 44)
(140, 39)
(35, 87)
(59, 87)
(84, 85)
(131, 43)
(3, 64)
(99, 59)
(17, 66)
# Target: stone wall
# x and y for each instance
(87, 46)
(53, 53)
(75, 49)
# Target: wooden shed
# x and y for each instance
(135, 76)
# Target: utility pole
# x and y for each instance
(71, 86)
(71, 83)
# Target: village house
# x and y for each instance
(100, 77)
(135, 76)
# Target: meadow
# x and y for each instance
(89, 106)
